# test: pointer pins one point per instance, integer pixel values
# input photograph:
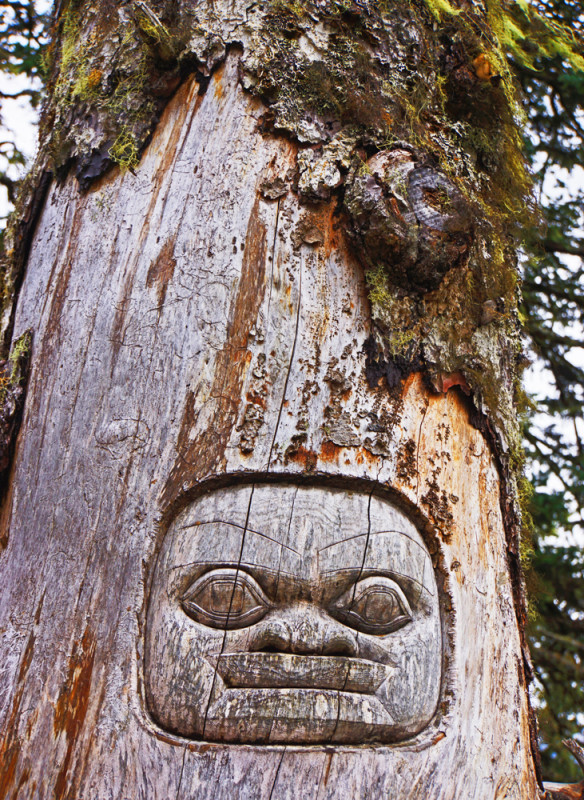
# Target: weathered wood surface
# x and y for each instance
(186, 328)
(334, 635)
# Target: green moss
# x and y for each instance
(124, 151)
(115, 93)
(519, 29)
(20, 350)
(88, 85)
(400, 342)
(377, 285)
(441, 8)
(154, 32)
(284, 8)
(12, 376)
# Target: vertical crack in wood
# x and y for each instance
(269, 737)
(278, 201)
(277, 773)
(294, 343)
(287, 539)
(182, 769)
(233, 590)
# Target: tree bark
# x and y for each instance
(200, 330)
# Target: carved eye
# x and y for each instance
(225, 598)
(375, 605)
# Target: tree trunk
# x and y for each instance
(240, 558)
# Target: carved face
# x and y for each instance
(287, 614)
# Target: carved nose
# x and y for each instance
(304, 629)
(307, 636)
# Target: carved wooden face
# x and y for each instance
(290, 614)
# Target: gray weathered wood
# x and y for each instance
(188, 328)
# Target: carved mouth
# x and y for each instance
(286, 671)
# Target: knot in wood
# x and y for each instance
(408, 218)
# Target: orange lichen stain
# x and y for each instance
(346, 393)
(307, 458)
(330, 451)
(412, 382)
(11, 744)
(482, 67)
(332, 236)
(366, 455)
(161, 270)
(218, 81)
(387, 118)
(73, 702)
(258, 398)
(320, 224)
(94, 78)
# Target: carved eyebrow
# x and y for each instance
(373, 533)
(258, 572)
(371, 572)
(338, 562)
(241, 528)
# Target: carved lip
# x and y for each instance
(289, 671)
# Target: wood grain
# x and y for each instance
(240, 352)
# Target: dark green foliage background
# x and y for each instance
(553, 308)
(553, 304)
(22, 36)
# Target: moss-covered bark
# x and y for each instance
(404, 111)
(410, 122)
